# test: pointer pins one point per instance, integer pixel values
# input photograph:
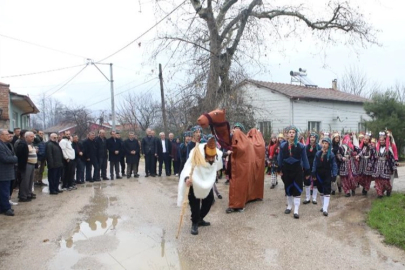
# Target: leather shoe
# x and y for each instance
(287, 211)
(296, 216)
(53, 193)
(194, 229)
(119, 177)
(146, 175)
(325, 213)
(314, 202)
(306, 202)
(219, 196)
(203, 223)
(59, 191)
(347, 195)
(9, 212)
(28, 199)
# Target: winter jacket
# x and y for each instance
(54, 155)
(132, 146)
(7, 162)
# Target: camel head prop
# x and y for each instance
(213, 117)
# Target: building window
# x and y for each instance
(265, 129)
(14, 120)
(314, 126)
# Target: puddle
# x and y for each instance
(106, 242)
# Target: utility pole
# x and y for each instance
(163, 99)
(112, 97)
(111, 86)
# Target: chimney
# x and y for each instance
(334, 84)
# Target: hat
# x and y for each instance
(327, 139)
(281, 135)
(210, 148)
(335, 135)
(296, 132)
(373, 140)
(361, 135)
(239, 125)
(196, 128)
(187, 134)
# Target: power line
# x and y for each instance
(126, 90)
(40, 72)
(144, 33)
(42, 46)
(67, 81)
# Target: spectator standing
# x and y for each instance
(122, 154)
(17, 132)
(114, 155)
(132, 153)
(101, 142)
(27, 158)
(39, 172)
(69, 163)
(7, 172)
(149, 151)
(175, 156)
(54, 159)
(90, 153)
(79, 159)
(164, 151)
(155, 158)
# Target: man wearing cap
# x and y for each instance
(199, 174)
(324, 171)
(292, 161)
(384, 165)
(311, 149)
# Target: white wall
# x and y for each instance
(271, 106)
(268, 106)
(327, 112)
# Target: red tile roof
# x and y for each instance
(303, 92)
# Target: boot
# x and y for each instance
(194, 229)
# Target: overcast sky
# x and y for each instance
(95, 29)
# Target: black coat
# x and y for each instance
(78, 147)
(101, 147)
(160, 147)
(90, 149)
(149, 145)
(114, 145)
(132, 146)
(7, 162)
(22, 154)
(54, 155)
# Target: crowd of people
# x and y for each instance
(24, 155)
(314, 164)
(330, 163)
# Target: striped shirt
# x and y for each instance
(32, 154)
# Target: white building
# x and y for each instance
(277, 105)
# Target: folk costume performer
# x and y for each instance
(201, 179)
(292, 163)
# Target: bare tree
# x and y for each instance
(80, 116)
(50, 112)
(139, 111)
(225, 32)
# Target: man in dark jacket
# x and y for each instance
(101, 142)
(79, 159)
(90, 153)
(54, 159)
(132, 153)
(164, 150)
(17, 131)
(7, 172)
(122, 155)
(149, 151)
(114, 155)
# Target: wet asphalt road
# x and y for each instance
(131, 224)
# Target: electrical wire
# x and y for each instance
(126, 90)
(71, 79)
(144, 33)
(40, 72)
(42, 46)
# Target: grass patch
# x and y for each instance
(387, 215)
